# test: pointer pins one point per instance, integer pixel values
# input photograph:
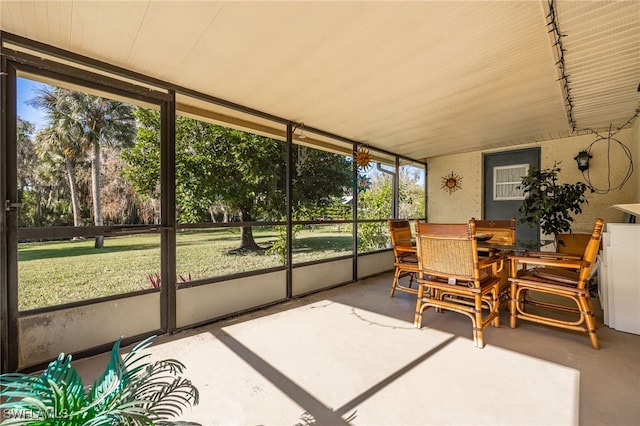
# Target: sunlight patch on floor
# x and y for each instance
(331, 363)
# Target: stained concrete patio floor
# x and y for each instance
(351, 356)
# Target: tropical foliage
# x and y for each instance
(129, 392)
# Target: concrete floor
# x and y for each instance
(350, 356)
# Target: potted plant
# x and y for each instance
(129, 392)
(549, 203)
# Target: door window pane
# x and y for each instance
(507, 180)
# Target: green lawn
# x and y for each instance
(52, 273)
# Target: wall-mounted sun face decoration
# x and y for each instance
(363, 159)
(451, 183)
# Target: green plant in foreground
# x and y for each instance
(129, 392)
(550, 203)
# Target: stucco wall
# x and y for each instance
(464, 203)
(467, 202)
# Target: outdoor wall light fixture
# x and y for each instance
(583, 160)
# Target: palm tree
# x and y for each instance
(101, 122)
(26, 154)
(56, 141)
(89, 122)
(27, 173)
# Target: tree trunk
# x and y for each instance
(247, 243)
(95, 189)
(38, 219)
(75, 205)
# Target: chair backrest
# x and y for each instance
(590, 253)
(400, 231)
(448, 251)
(572, 243)
(504, 231)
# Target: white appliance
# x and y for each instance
(619, 273)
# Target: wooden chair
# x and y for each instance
(555, 277)
(504, 231)
(575, 244)
(404, 251)
(452, 277)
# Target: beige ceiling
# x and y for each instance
(416, 78)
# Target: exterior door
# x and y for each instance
(38, 181)
(502, 197)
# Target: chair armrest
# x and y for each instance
(574, 263)
(405, 249)
(495, 261)
(552, 255)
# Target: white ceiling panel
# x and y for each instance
(416, 78)
(603, 60)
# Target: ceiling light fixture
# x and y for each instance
(302, 135)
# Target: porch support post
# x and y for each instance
(289, 254)
(168, 216)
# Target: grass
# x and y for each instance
(51, 273)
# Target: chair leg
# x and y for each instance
(396, 277)
(496, 307)
(589, 320)
(513, 311)
(417, 320)
(478, 331)
(590, 304)
(436, 295)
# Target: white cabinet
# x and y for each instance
(619, 276)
